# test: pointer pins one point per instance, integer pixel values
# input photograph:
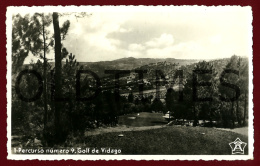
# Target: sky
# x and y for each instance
(162, 32)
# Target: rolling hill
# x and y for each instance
(130, 63)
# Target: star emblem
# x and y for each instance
(237, 146)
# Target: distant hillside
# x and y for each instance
(130, 63)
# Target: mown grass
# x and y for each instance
(143, 119)
(174, 140)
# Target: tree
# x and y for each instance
(31, 35)
(207, 95)
(58, 58)
(243, 84)
(25, 39)
(158, 106)
(169, 100)
(239, 78)
(189, 103)
(199, 99)
(130, 97)
(27, 32)
(43, 22)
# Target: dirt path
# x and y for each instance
(120, 129)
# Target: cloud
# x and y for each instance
(182, 50)
(175, 32)
(136, 47)
(163, 41)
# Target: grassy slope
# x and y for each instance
(169, 140)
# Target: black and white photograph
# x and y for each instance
(130, 82)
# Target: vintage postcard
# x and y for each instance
(130, 83)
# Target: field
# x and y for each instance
(175, 140)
